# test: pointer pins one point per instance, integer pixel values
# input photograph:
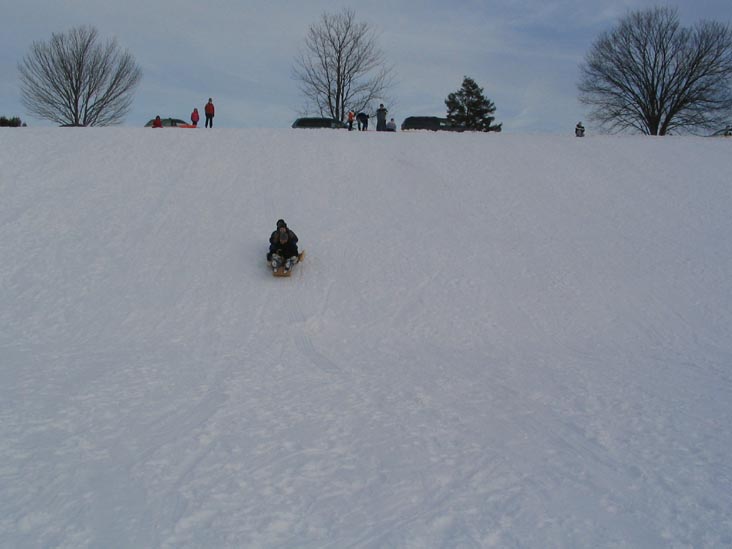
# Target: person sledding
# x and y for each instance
(283, 252)
(274, 238)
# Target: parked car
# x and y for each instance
(171, 123)
(318, 123)
(433, 123)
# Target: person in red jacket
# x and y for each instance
(209, 111)
(194, 117)
(157, 123)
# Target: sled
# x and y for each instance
(280, 271)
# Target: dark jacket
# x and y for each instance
(286, 250)
(291, 235)
(381, 118)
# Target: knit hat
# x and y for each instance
(281, 223)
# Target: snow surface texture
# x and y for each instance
(495, 340)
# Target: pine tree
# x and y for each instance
(469, 108)
(11, 122)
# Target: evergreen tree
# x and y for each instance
(13, 122)
(469, 108)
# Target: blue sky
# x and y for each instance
(524, 53)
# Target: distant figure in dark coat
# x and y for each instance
(381, 118)
(579, 130)
(363, 121)
(209, 111)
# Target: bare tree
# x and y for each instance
(74, 80)
(341, 67)
(651, 75)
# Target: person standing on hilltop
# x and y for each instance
(209, 111)
(381, 118)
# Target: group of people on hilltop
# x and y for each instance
(209, 110)
(362, 120)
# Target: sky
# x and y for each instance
(525, 54)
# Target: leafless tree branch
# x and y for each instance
(341, 67)
(655, 77)
(72, 79)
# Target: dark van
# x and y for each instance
(433, 123)
(318, 123)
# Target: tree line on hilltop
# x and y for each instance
(648, 74)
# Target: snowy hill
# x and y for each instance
(494, 340)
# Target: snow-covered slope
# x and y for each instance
(494, 340)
